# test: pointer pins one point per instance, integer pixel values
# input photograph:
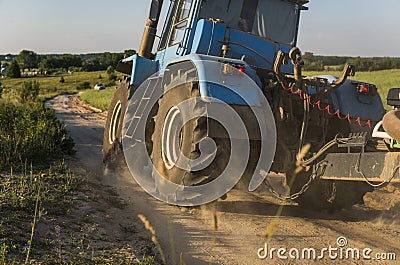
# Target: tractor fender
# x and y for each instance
(239, 90)
(138, 67)
(233, 88)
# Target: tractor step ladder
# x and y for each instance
(142, 108)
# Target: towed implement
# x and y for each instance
(330, 136)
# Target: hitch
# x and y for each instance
(281, 59)
(302, 82)
(355, 140)
(348, 70)
(295, 57)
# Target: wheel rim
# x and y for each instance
(114, 124)
(171, 138)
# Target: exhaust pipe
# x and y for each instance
(391, 124)
(150, 31)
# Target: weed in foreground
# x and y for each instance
(31, 133)
(151, 229)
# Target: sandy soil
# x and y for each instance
(232, 231)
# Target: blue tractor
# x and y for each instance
(326, 134)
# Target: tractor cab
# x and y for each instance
(251, 29)
(272, 20)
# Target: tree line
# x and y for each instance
(320, 63)
(29, 60)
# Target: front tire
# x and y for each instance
(112, 139)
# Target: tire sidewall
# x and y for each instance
(172, 99)
(120, 97)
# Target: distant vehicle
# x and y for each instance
(3, 71)
(99, 87)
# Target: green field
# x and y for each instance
(384, 80)
(51, 86)
(99, 99)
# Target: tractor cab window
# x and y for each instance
(168, 25)
(184, 10)
(181, 21)
(177, 20)
(272, 19)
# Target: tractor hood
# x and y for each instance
(211, 36)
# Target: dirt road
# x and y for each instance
(232, 231)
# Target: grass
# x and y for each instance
(51, 85)
(99, 99)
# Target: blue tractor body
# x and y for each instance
(229, 43)
(205, 36)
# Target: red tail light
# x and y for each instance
(367, 89)
(241, 68)
(363, 89)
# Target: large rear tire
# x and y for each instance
(112, 140)
(168, 140)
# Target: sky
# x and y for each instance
(339, 27)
